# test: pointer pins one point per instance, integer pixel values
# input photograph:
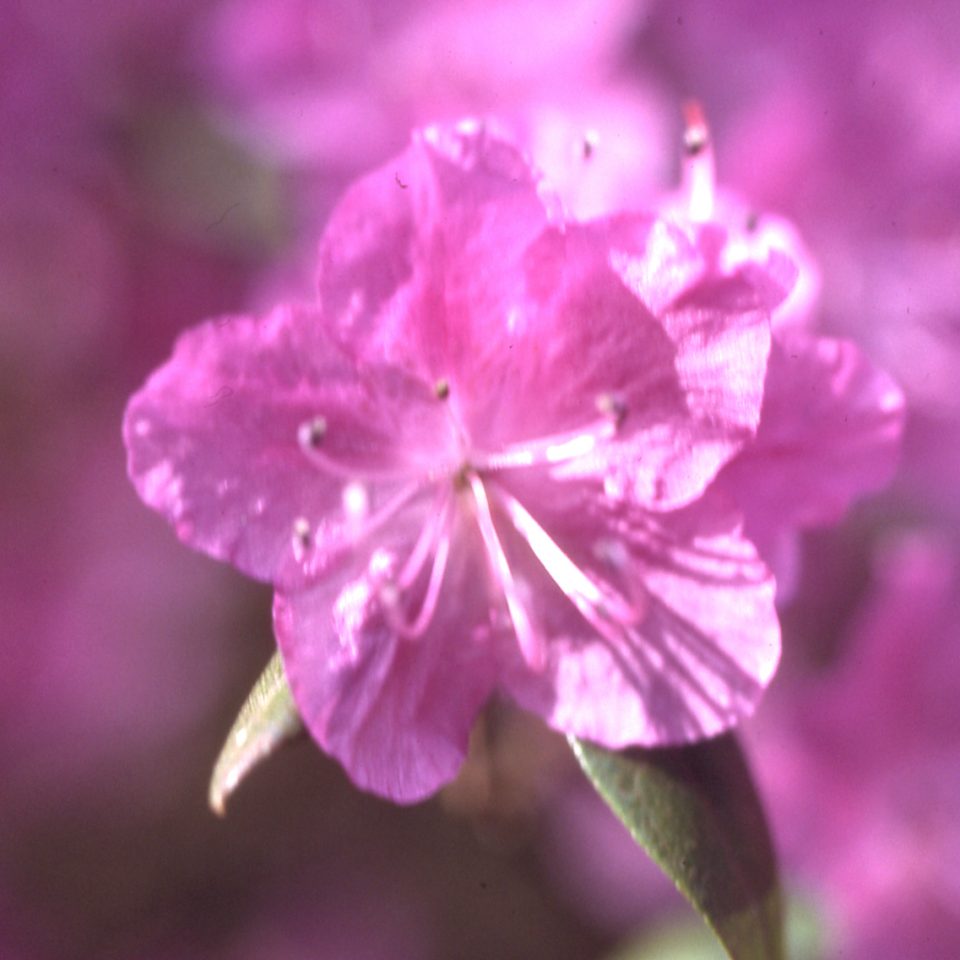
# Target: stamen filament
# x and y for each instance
(312, 445)
(430, 599)
(698, 166)
(425, 543)
(593, 601)
(357, 532)
(531, 645)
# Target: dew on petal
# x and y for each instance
(381, 563)
(162, 484)
(615, 487)
(612, 552)
(356, 502)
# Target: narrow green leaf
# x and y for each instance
(266, 721)
(807, 937)
(696, 812)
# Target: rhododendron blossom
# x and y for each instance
(831, 421)
(480, 463)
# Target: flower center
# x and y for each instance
(410, 588)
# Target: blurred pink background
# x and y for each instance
(165, 161)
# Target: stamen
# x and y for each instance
(311, 436)
(595, 601)
(312, 432)
(531, 644)
(591, 140)
(698, 167)
(373, 523)
(442, 388)
(558, 448)
(612, 407)
(432, 595)
(354, 530)
(425, 542)
(301, 538)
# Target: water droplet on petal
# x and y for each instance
(613, 552)
(615, 487)
(381, 563)
(356, 502)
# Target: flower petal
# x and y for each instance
(412, 264)
(216, 442)
(628, 312)
(829, 432)
(681, 644)
(445, 263)
(396, 711)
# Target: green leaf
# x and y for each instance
(266, 721)
(808, 937)
(696, 812)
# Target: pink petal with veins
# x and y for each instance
(219, 441)
(395, 710)
(829, 432)
(662, 627)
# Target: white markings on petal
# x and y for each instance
(163, 486)
(559, 448)
(381, 563)
(356, 502)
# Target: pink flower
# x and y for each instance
(831, 421)
(860, 763)
(326, 84)
(479, 464)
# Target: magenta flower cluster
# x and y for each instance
(508, 452)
